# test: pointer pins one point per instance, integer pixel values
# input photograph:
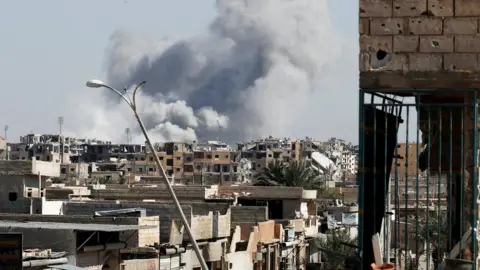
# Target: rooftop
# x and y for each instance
(72, 226)
(29, 167)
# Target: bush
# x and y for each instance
(336, 247)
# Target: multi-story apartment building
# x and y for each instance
(209, 163)
(348, 162)
(310, 145)
(44, 147)
(261, 152)
(407, 159)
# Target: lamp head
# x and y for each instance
(95, 84)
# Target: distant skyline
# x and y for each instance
(53, 47)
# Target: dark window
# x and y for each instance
(169, 162)
(12, 196)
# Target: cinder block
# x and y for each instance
(405, 43)
(409, 8)
(467, 8)
(441, 8)
(437, 44)
(467, 44)
(460, 61)
(460, 26)
(425, 62)
(372, 44)
(364, 64)
(386, 26)
(375, 8)
(399, 62)
(364, 26)
(425, 26)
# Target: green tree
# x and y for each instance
(336, 247)
(433, 230)
(292, 174)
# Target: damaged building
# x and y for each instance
(419, 71)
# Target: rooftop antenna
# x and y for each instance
(60, 123)
(127, 133)
(219, 130)
(5, 130)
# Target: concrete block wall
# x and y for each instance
(140, 193)
(148, 237)
(212, 225)
(166, 212)
(202, 227)
(140, 264)
(248, 214)
(256, 192)
(419, 35)
(222, 224)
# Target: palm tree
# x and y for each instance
(292, 174)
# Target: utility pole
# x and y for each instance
(60, 124)
(6, 130)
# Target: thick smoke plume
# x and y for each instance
(257, 71)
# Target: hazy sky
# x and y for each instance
(50, 48)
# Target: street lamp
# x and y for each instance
(132, 104)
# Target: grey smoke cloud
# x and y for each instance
(257, 71)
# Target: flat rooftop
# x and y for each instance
(73, 226)
(29, 167)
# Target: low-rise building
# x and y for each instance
(91, 243)
(22, 184)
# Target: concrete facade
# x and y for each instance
(242, 214)
(61, 239)
(29, 167)
(211, 225)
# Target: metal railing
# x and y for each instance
(428, 213)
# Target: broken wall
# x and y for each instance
(428, 45)
(407, 44)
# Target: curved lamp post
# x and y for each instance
(132, 104)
